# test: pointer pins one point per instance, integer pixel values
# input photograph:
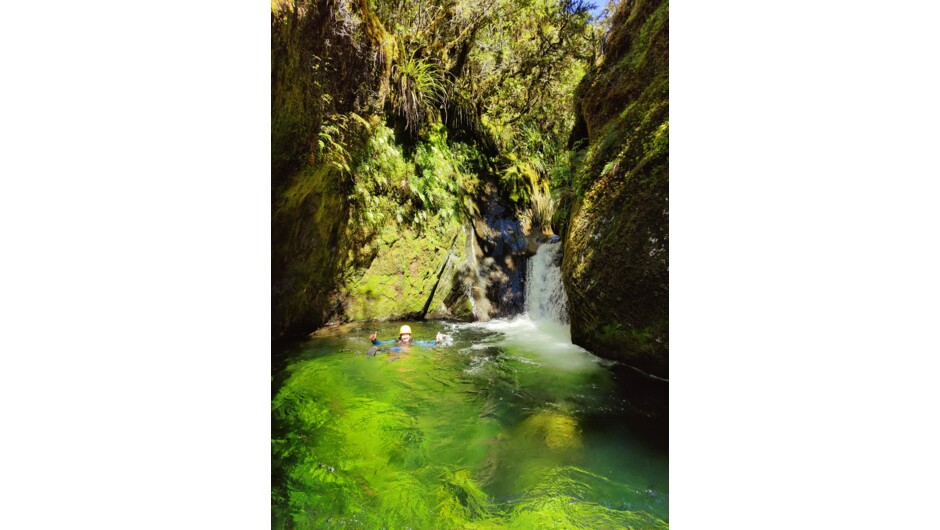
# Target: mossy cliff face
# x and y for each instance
(410, 275)
(307, 242)
(397, 181)
(323, 62)
(615, 266)
(451, 298)
(362, 227)
(321, 65)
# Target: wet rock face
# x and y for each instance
(503, 251)
(306, 243)
(317, 49)
(409, 278)
(324, 58)
(615, 266)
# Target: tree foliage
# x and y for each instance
(502, 70)
(409, 110)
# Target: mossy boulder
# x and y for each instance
(615, 266)
(407, 274)
(451, 299)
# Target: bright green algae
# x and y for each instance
(489, 432)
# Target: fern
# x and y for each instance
(419, 85)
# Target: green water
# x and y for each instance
(510, 426)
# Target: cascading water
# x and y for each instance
(545, 298)
(541, 333)
(505, 424)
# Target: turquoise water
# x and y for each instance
(508, 426)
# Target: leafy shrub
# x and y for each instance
(418, 86)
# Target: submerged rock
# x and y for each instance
(558, 432)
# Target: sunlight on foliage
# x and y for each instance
(419, 87)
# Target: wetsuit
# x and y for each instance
(398, 348)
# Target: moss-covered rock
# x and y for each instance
(404, 279)
(367, 210)
(615, 267)
(451, 296)
(326, 58)
(306, 238)
(326, 68)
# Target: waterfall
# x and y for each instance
(542, 333)
(545, 297)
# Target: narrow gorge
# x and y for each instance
(495, 170)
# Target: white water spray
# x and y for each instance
(541, 335)
(545, 298)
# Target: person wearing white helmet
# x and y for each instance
(404, 338)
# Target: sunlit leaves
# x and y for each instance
(419, 86)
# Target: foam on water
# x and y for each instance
(544, 342)
(542, 333)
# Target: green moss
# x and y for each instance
(369, 444)
(449, 299)
(558, 432)
(616, 255)
(403, 276)
(294, 96)
(407, 212)
(318, 93)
